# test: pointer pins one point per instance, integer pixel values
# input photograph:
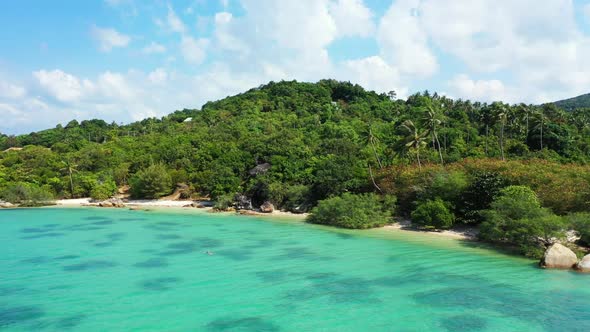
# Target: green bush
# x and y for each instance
(433, 214)
(224, 202)
(352, 211)
(152, 182)
(581, 223)
(104, 190)
(27, 194)
(479, 195)
(517, 218)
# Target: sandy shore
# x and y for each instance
(144, 204)
(464, 233)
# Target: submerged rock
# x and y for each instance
(584, 264)
(558, 257)
(267, 207)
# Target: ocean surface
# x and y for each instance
(90, 269)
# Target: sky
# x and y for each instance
(125, 60)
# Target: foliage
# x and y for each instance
(224, 202)
(103, 191)
(151, 182)
(352, 211)
(581, 223)
(517, 218)
(26, 194)
(571, 104)
(433, 214)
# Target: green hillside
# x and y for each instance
(572, 104)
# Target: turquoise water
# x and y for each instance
(120, 270)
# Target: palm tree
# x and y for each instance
(501, 114)
(415, 138)
(432, 120)
(372, 140)
(540, 118)
(70, 168)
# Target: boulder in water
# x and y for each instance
(557, 256)
(584, 264)
(267, 207)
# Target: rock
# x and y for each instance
(558, 257)
(584, 264)
(113, 202)
(267, 207)
(247, 212)
(6, 205)
(259, 169)
(243, 202)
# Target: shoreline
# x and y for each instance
(467, 234)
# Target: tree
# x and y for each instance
(152, 182)
(353, 211)
(433, 214)
(415, 139)
(69, 167)
(432, 120)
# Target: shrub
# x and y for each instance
(27, 194)
(479, 195)
(104, 190)
(433, 214)
(352, 211)
(152, 182)
(224, 202)
(581, 223)
(517, 218)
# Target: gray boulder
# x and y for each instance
(243, 202)
(267, 207)
(558, 256)
(259, 169)
(584, 264)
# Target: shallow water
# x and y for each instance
(120, 270)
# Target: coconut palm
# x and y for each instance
(70, 168)
(501, 114)
(432, 119)
(415, 138)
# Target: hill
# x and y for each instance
(572, 104)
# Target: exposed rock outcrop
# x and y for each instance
(584, 264)
(243, 202)
(259, 169)
(113, 202)
(557, 256)
(6, 205)
(267, 207)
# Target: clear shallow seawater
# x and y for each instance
(120, 270)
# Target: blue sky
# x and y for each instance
(124, 60)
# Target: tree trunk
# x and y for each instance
(487, 134)
(418, 156)
(541, 134)
(502, 141)
(439, 150)
(71, 183)
(373, 179)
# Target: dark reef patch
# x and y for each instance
(272, 276)
(66, 257)
(463, 323)
(37, 260)
(168, 237)
(242, 324)
(159, 284)
(236, 254)
(10, 316)
(89, 265)
(152, 263)
(70, 322)
(43, 235)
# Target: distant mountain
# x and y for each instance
(571, 104)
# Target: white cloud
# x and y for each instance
(174, 22)
(11, 91)
(479, 90)
(374, 73)
(404, 42)
(352, 18)
(193, 50)
(158, 76)
(154, 48)
(109, 38)
(62, 86)
(224, 3)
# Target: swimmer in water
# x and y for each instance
(208, 252)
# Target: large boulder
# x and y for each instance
(243, 202)
(584, 264)
(267, 207)
(113, 202)
(558, 256)
(6, 205)
(260, 169)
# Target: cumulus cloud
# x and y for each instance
(403, 40)
(109, 38)
(352, 18)
(375, 74)
(174, 23)
(11, 91)
(154, 48)
(193, 50)
(62, 86)
(480, 90)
